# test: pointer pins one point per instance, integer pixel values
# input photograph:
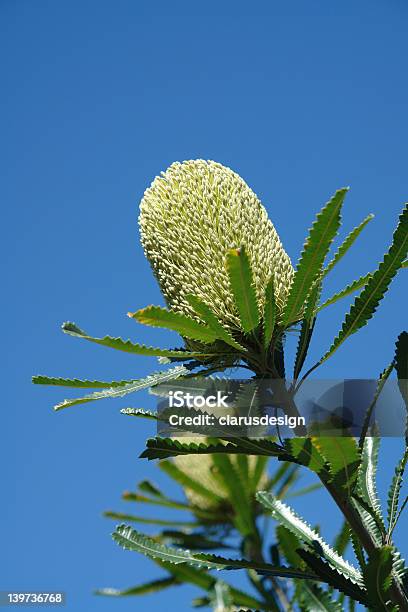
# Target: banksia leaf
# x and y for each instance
(401, 364)
(121, 391)
(313, 598)
(181, 323)
(242, 287)
(378, 579)
(208, 317)
(367, 487)
(367, 302)
(140, 412)
(141, 589)
(343, 456)
(316, 247)
(129, 347)
(306, 328)
(186, 481)
(79, 384)
(269, 315)
(163, 448)
(332, 577)
(347, 243)
(394, 493)
(131, 539)
(292, 521)
(307, 454)
(190, 217)
(348, 290)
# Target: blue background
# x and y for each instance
(97, 98)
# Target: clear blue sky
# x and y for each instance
(97, 98)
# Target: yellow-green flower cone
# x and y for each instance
(189, 218)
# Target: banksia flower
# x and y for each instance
(190, 217)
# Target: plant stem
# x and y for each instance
(357, 524)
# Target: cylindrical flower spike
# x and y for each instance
(189, 218)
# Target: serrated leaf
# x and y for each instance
(208, 317)
(316, 599)
(155, 316)
(269, 314)
(186, 481)
(243, 288)
(140, 412)
(307, 454)
(147, 487)
(343, 456)
(378, 579)
(348, 290)
(367, 302)
(394, 493)
(401, 364)
(287, 517)
(200, 578)
(237, 492)
(288, 544)
(129, 347)
(306, 327)
(131, 539)
(367, 487)
(124, 516)
(315, 249)
(79, 384)
(137, 385)
(332, 577)
(342, 539)
(141, 589)
(163, 448)
(347, 243)
(367, 417)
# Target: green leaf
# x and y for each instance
(140, 412)
(367, 302)
(243, 288)
(207, 316)
(332, 576)
(315, 249)
(133, 540)
(186, 481)
(155, 316)
(306, 328)
(348, 290)
(128, 347)
(147, 487)
(347, 243)
(141, 589)
(163, 448)
(238, 494)
(367, 487)
(342, 539)
(378, 579)
(343, 457)
(292, 521)
(401, 364)
(288, 544)
(123, 516)
(200, 578)
(79, 384)
(137, 385)
(314, 599)
(394, 493)
(269, 315)
(367, 418)
(306, 453)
